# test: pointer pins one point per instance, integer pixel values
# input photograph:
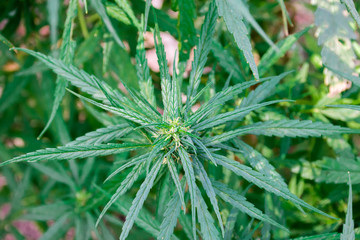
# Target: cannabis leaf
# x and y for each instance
(231, 12)
(348, 227)
(67, 51)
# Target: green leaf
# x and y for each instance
(285, 16)
(20, 190)
(240, 202)
(175, 177)
(289, 128)
(82, 232)
(164, 72)
(5, 41)
(242, 9)
(12, 91)
(138, 104)
(123, 12)
(272, 55)
(208, 229)
(125, 185)
(259, 162)
(59, 228)
(77, 77)
(207, 87)
(85, 6)
(107, 47)
(46, 212)
(335, 170)
(170, 217)
(143, 72)
(139, 200)
(263, 182)
(231, 12)
(205, 149)
(144, 219)
(296, 128)
(262, 91)
(352, 78)
(99, 7)
(55, 173)
(102, 135)
(86, 169)
(163, 193)
(227, 61)
(350, 6)
(187, 14)
(233, 115)
(147, 10)
(342, 148)
(335, 34)
(325, 236)
(102, 117)
(205, 181)
(190, 179)
(352, 107)
(230, 223)
(219, 99)
(67, 51)
(159, 144)
(348, 232)
(53, 18)
(131, 162)
(72, 152)
(89, 45)
(106, 233)
(201, 52)
(185, 222)
(127, 114)
(175, 98)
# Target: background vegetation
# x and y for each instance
(318, 40)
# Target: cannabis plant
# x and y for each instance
(79, 205)
(172, 139)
